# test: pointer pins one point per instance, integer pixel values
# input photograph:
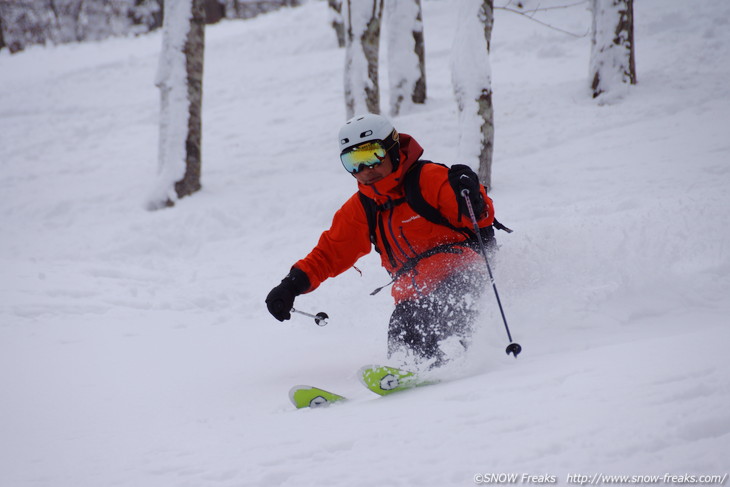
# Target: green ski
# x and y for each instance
(384, 380)
(312, 397)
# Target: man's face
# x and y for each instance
(371, 175)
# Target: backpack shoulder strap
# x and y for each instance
(425, 209)
(415, 198)
(371, 211)
(375, 223)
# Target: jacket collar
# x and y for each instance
(391, 186)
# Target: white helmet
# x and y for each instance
(369, 127)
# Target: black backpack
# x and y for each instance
(415, 199)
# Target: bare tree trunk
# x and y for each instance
(194, 55)
(362, 24)
(419, 91)
(180, 79)
(338, 24)
(406, 54)
(472, 81)
(613, 63)
(2, 38)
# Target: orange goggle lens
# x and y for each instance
(369, 154)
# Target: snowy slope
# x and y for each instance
(135, 348)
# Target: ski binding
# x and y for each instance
(312, 397)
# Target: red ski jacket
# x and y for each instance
(408, 234)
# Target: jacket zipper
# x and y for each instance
(405, 239)
(392, 233)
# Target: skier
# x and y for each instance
(437, 270)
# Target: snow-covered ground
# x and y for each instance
(135, 347)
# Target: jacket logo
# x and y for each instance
(411, 219)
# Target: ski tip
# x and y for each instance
(304, 396)
(293, 393)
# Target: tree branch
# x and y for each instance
(539, 9)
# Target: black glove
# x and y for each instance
(281, 299)
(463, 177)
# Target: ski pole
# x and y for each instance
(320, 318)
(513, 347)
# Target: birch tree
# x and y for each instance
(472, 82)
(362, 36)
(406, 54)
(338, 24)
(179, 78)
(612, 65)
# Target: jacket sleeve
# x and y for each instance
(438, 192)
(340, 247)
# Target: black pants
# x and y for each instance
(418, 327)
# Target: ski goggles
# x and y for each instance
(366, 155)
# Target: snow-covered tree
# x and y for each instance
(406, 54)
(26, 23)
(472, 82)
(147, 14)
(338, 24)
(103, 18)
(362, 35)
(246, 9)
(612, 65)
(180, 80)
(29, 22)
